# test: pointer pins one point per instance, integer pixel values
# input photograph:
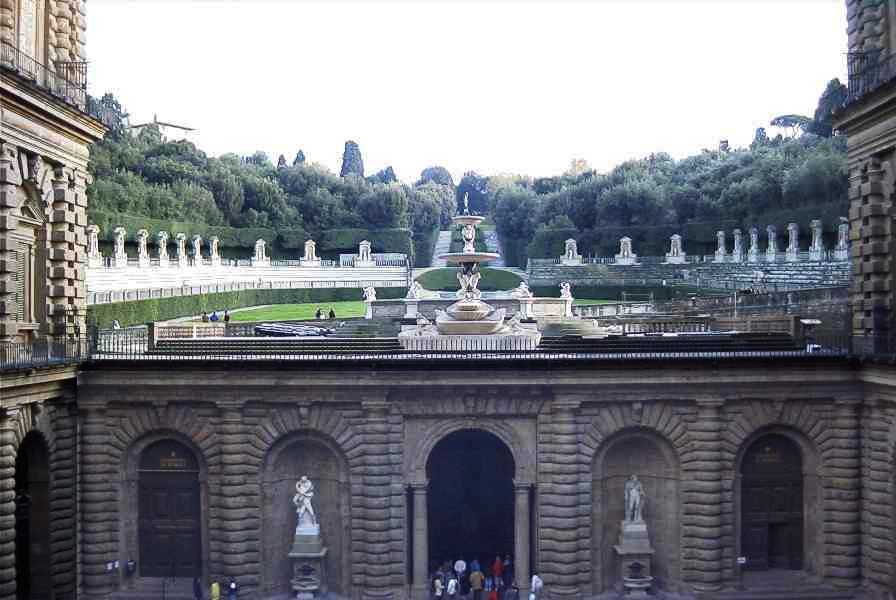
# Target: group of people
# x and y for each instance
(495, 582)
(216, 591)
(215, 317)
(319, 315)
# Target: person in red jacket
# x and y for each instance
(498, 568)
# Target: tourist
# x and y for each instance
(214, 318)
(498, 567)
(215, 591)
(197, 589)
(116, 324)
(508, 570)
(491, 591)
(226, 316)
(231, 590)
(537, 587)
(451, 590)
(319, 314)
(332, 313)
(476, 580)
(204, 317)
(437, 585)
(513, 591)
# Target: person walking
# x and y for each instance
(197, 589)
(537, 587)
(226, 316)
(231, 589)
(319, 314)
(491, 591)
(204, 317)
(476, 581)
(215, 591)
(451, 590)
(437, 585)
(508, 571)
(498, 568)
(332, 313)
(513, 591)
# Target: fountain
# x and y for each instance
(470, 321)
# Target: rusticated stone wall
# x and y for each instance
(55, 423)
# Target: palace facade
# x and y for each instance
(125, 476)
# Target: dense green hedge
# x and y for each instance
(424, 244)
(491, 280)
(599, 292)
(161, 309)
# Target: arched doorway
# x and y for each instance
(470, 498)
(772, 504)
(169, 529)
(33, 557)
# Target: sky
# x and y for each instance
(495, 86)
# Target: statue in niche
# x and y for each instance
(302, 501)
(634, 500)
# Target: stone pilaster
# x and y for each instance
(842, 496)
(521, 536)
(67, 254)
(235, 519)
(8, 424)
(63, 499)
(559, 510)
(871, 236)
(10, 179)
(373, 521)
(420, 540)
(98, 504)
(702, 500)
(878, 534)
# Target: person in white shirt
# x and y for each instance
(451, 590)
(537, 586)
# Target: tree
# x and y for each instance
(435, 174)
(476, 186)
(833, 97)
(110, 112)
(443, 197)
(578, 166)
(384, 206)
(795, 123)
(299, 159)
(352, 164)
(386, 175)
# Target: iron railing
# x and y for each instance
(43, 353)
(68, 81)
(868, 71)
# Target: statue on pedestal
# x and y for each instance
(308, 554)
(302, 500)
(634, 500)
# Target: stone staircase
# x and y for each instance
(443, 245)
(155, 588)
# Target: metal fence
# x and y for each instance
(867, 71)
(43, 353)
(68, 81)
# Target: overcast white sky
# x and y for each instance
(491, 85)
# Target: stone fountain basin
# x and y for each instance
(468, 219)
(468, 257)
(469, 310)
(490, 324)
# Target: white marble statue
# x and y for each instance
(816, 247)
(521, 291)
(771, 251)
(753, 252)
(260, 255)
(302, 500)
(626, 256)
(466, 203)
(214, 253)
(197, 250)
(793, 242)
(737, 252)
(565, 291)
(425, 328)
(675, 255)
(841, 250)
(162, 243)
(634, 500)
(310, 251)
(469, 283)
(93, 242)
(120, 255)
(370, 294)
(142, 252)
(364, 252)
(571, 254)
(468, 233)
(721, 253)
(181, 239)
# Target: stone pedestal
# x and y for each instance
(368, 313)
(363, 264)
(309, 262)
(410, 308)
(676, 260)
(95, 262)
(841, 253)
(627, 260)
(143, 261)
(261, 262)
(634, 553)
(526, 307)
(571, 262)
(309, 565)
(120, 261)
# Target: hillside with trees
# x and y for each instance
(796, 176)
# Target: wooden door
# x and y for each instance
(169, 524)
(772, 505)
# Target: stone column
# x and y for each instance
(10, 179)
(702, 500)
(373, 516)
(235, 510)
(8, 426)
(98, 500)
(521, 536)
(67, 253)
(421, 541)
(842, 497)
(558, 501)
